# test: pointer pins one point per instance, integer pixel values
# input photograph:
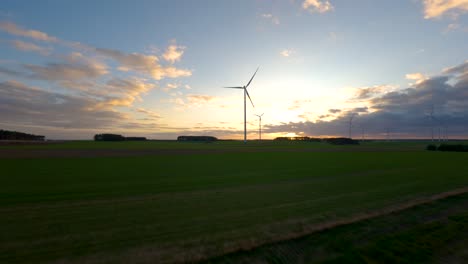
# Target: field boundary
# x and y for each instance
(319, 227)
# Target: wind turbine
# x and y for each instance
(351, 123)
(246, 93)
(260, 125)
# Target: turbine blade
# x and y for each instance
(247, 92)
(252, 78)
(237, 87)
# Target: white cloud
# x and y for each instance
(273, 19)
(287, 52)
(438, 8)
(317, 6)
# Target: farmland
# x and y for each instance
(146, 202)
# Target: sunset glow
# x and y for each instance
(157, 69)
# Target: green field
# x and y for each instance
(193, 201)
(436, 232)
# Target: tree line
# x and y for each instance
(15, 135)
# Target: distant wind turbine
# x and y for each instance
(433, 120)
(351, 123)
(246, 93)
(260, 125)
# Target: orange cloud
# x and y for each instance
(173, 53)
(317, 6)
(418, 77)
(147, 64)
(437, 8)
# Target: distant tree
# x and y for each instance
(135, 138)
(431, 147)
(298, 139)
(14, 135)
(456, 148)
(197, 138)
(342, 141)
(108, 137)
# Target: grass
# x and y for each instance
(255, 145)
(429, 233)
(185, 207)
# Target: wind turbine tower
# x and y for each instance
(351, 123)
(260, 125)
(246, 93)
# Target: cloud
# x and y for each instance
(76, 67)
(10, 72)
(438, 8)
(405, 112)
(364, 93)
(417, 77)
(13, 29)
(298, 104)
(149, 113)
(459, 69)
(452, 27)
(317, 6)
(173, 53)
(124, 92)
(194, 100)
(89, 93)
(170, 86)
(334, 111)
(32, 106)
(198, 98)
(287, 52)
(26, 46)
(146, 64)
(273, 19)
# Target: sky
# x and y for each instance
(72, 69)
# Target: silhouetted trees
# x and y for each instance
(14, 135)
(108, 137)
(298, 139)
(135, 138)
(116, 137)
(197, 138)
(449, 147)
(342, 141)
